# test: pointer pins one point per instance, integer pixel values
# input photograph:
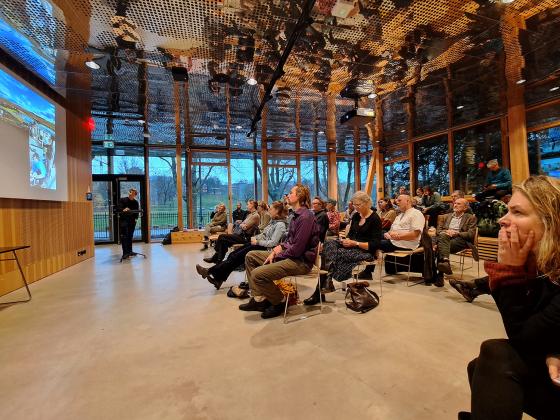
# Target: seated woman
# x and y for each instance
(340, 257)
(519, 374)
(268, 239)
(217, 224)
(386, 213)
(262, 209)
(242, 232)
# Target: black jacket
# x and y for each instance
(369, 232)
(323, 222)
(239, 214)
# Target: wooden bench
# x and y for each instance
(187, 237)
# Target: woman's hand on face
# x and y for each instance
(553, 363)
(510, 250)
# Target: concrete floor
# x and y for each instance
(150, 339)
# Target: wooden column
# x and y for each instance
(188, 155)
(450, 144)
(264, 152)
(378, 153)
(411, 112)
(357, 168)
(178, 175)
(330, 133)
(228, 157)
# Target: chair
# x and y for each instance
(315, 273)
(362, 265)
(402, 253)
(213, 238)
(467, 252)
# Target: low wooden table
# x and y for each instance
(13, 249)
(187, 237)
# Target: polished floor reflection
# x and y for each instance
(150, 339)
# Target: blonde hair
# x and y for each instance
(544, 194)
(362, 197)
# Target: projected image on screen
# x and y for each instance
(23, 108)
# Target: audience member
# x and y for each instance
(318, 206)
(386, 213)
(268, 239)
(341, 256)
(510, 376)
(242, 232)
(407, 228)
(419, 197)
(217, 224)
(432, 205)
(334, 218)
(402, 191)
(264, 216)
(348, 213)
(454, 233)
(498, 181)
(293, 257)
(239, 213)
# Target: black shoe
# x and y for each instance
(202, 271)
(444, 267)
(328, 286)
(125, 257)
(314, 298)
(204, 247)
(464, 415)
(274, 310)
(244, 285)
(464, 289)
(439, 281)
(253, 305)
(217, 283)
(209, 260)
(366, 274)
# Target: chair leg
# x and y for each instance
(320, 294)
(286, 306)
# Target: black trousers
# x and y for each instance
(503, 385)
(224, 242)
(222, 270)
(126, 232)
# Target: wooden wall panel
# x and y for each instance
(56, 231)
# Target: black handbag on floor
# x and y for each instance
(359, 298)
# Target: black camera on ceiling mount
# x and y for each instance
(180, 74)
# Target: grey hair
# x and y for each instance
(363, 197)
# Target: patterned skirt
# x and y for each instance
(340, 261)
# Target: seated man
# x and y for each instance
(454, 233)
(242, 233)
(217, 224)
(268, 239)
(334, 218)
(432, 205)
(239, 213)
(407, 228)
(294, 257)
(498, 181)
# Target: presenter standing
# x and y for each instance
(128, 208)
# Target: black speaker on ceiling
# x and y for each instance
(180, 74)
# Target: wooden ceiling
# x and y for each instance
(422, 52)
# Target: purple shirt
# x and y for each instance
(303, 238)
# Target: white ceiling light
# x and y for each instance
(460, 106)
(372, 95)
(554, 88)
(141, 121)
(507, 1)
(252, 82)
(238, 127)
(92, 65)
(521, 81)
(321, 132)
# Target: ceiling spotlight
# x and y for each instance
(92, 65)
(554, 88)
(377, 141)
(372, 95)
(238, 127)
(141, 121)
(252, 82)
(507, 1)
(321, 132)
(460, 106)
(147, 135)
(521, 81)
(403, 131)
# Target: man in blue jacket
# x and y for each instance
(498, 181)
(294, 257)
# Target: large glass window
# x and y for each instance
(432, 164)
(346, 180)
(282, 176)
(544, 152)
(163, 191)
(364, 168)
(242, 177)
(118, 161)
(396, 175)
(314, 174)
(473, 148)
(209, 185)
